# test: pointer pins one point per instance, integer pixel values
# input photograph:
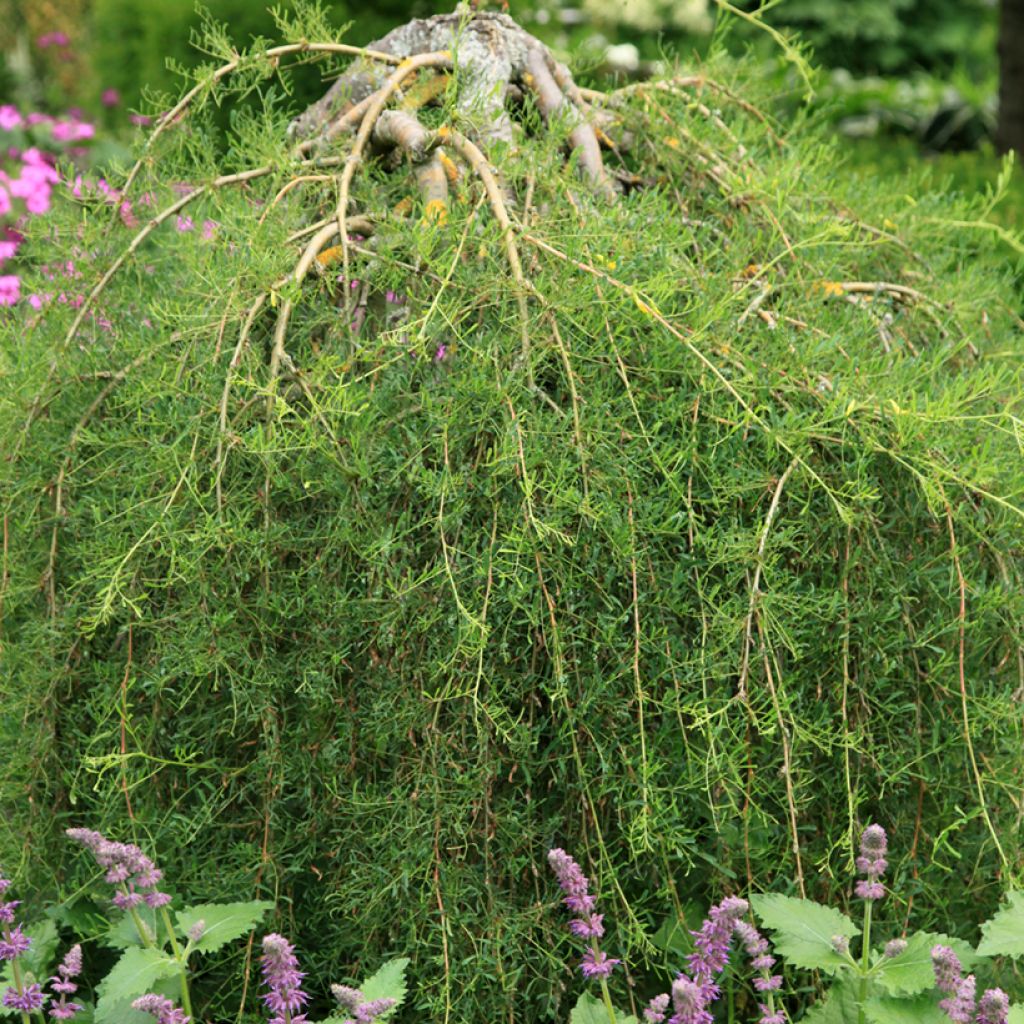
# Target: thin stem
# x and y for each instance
(140, 927)
(865, 961)
(19, 984)
(186, 1000)
(606, 995)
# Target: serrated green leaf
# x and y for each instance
(1003, 935)
(387, 983)
(838, 1007)
(804, 930)
(133, 975)
(912, 970)
(222, 922)
(590, 1010)
(121, 1012)
(919, 1009)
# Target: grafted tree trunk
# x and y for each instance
(1010, 130)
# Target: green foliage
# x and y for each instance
(387, 983)
(222, 922)
(911, 972)
(1003, 935)
(135, 973)
(804, 930)
(685, 602)
(591, 1010)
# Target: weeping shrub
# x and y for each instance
(614, 476)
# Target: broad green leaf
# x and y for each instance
(387, 983)
(84, 916)
(1003, 935)
(804, 930)
(838, 1007)
(912, 971)
(133, 975)
(591, 1010)
(121, 1012)
(37, 962)
(222, 922)
(919, 1009)
(1016, 1014)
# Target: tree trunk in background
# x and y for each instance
(1010, 131)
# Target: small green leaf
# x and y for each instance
(919, 1009)
(387, 983)
(222, 922)
(912, 970)
(804, 930)
(133, 975)
(1003, 935)
(590, 1010)
(1016, 1014)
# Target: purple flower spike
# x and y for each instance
(588, 925)
(160, 1007)
(688, 1001)
(14, 943)
(655, 1012)
(62, 984)
(126, 867)
(29, 1000)
(597, 964)
(947, 967)
(282, 976)
(993, 1007)
(768, 1016)
(712, 942)
(872, 863)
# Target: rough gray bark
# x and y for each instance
(1010, 130)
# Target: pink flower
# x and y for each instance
(9, 118)
(10, 289)
(442, 351)
(210, 229)
(140, 119)
(7, 250)
(110, 98)
(52, 39)
(185, 223)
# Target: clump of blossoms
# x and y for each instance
(959, 1004)
(23, 996)
(872, 863)
(284, 998)
(695, 990)
(62, 984)
(127, 867)
(587, 924)
(162, 1008)
(363, 1010)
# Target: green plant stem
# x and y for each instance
(186, 998)
(140, 927)
(865, 962)
(606, 995)
(20, 986)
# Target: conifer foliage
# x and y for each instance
(477, 463)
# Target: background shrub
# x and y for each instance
(730, 577)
